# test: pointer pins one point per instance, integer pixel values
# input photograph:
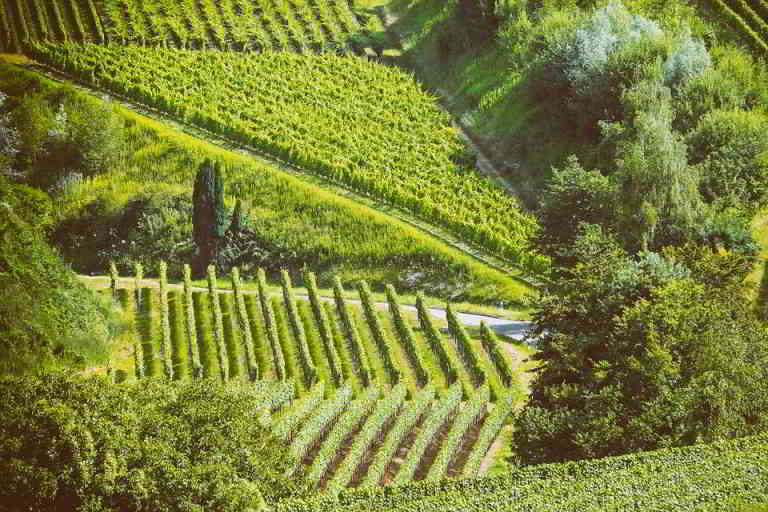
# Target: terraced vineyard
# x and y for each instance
(748, 18)
(352, 418)
(243, 25)
(357, 122)
(702, 477)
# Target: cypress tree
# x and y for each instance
(209, 214)
(239, 218)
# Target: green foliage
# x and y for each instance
(75, 444)
(658, 190)
(572, 196)
(707, 477)
(65, 136)
(730, 149)
(633, 360)
(47, 318)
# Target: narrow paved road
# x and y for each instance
(509, 328)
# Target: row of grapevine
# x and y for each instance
(324, 329)
(466, 350)
(433, 423)
(706, 477)
(491, 429)
(383, 343)
(352, 336)
(322, 420)
(751, 17)
(270, 326)
(218, 323)
(245, 326)
(470, 414)
(371, 432)
(308, 366)
(361, 124)
(405, 336)
(8, 41)
(353, 416)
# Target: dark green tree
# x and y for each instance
(209, 214)
(239, 218)
(637, 355)
(573, 196)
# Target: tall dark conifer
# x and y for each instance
(209, 215)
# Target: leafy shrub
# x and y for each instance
(634, 360)
(75, 444)
(46, 316)
(731, 150)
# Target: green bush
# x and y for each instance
(47, 317)
(73, 444)
(730, 149)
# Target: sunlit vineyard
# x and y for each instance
(701, 477)
(243, 25)
(360, 123)
(353, 412)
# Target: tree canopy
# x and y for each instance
(69, 443)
